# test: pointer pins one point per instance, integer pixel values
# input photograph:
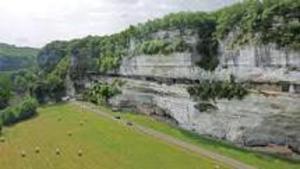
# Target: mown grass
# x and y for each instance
(258, 160)
(104, 143)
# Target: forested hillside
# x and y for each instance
(12, 57)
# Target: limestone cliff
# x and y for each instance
(256, 43)
(157, 85)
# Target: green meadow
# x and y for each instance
(64, 136)
(258, 160)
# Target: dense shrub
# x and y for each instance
(152, 47)
(108, 62)
(100, 93)
(261, 21)
(211, 90)
(22, 111)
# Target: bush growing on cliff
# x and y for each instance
(100, 93)
(211, 90)
(152, 47)
(22, 111)
(108, 62)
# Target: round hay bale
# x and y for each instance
(129, 123)
(57, 151)
(23, 154)
(217, 167)
(2, 139)
(79, 153)
(37, 150)
(81, 123)
(70, 133)
(118, 117)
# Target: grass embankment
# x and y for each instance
(255, 159)
(103, 144)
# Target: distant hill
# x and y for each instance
(13, 57)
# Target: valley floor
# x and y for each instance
(106, 142)
(86, 140)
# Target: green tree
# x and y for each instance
(21, 84)
(101, 92)
(5, 90)
(19, 112)
(8, 116)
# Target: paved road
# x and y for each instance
(171, 140)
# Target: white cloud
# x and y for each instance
(36, 22)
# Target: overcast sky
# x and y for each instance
(37, 22)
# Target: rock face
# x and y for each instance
(264, 63)
(270, 114)
(157, 85)
(257, 120)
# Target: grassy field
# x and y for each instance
(258, 160)
(104, 143)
